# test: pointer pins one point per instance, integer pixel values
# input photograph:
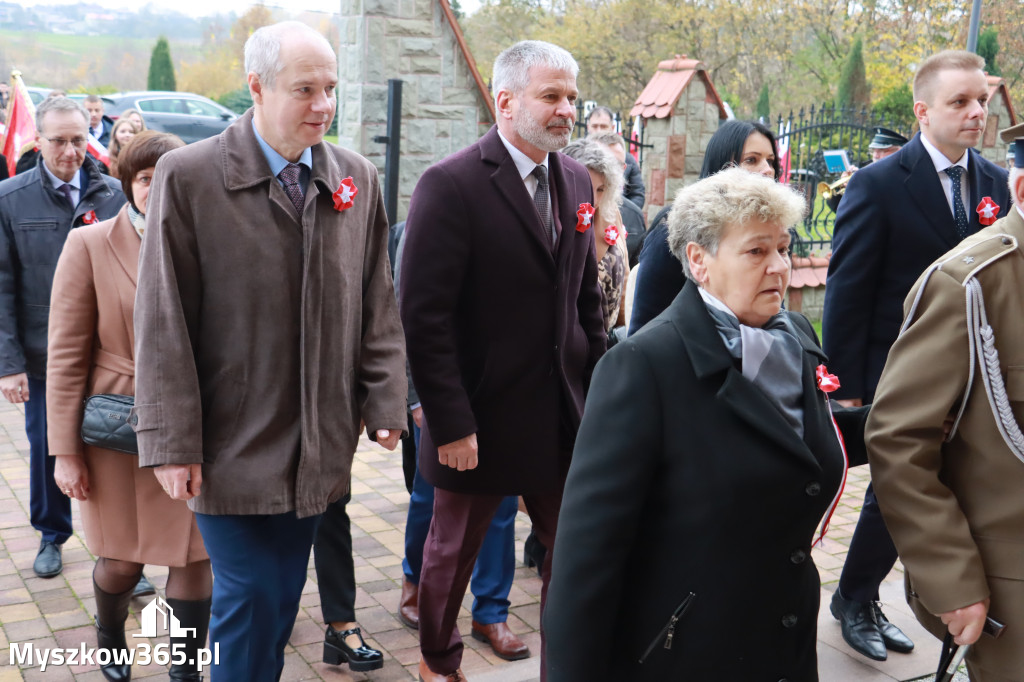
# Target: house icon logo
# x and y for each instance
(151, 616)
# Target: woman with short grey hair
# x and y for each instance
(711, 423)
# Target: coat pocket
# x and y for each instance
(667, 633)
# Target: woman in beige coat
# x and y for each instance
(128, 520)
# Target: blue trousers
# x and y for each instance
(49, 508)
(495, 566)
(259, 568)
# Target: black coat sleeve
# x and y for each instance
(658, 281)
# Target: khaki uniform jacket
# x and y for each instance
(956, 510)
(264, 338)
(127, 515)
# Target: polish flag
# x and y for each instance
(98, 151)
(21, 123)
(784, 160)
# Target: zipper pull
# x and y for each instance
(671, 632)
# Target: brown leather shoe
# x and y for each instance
(408, 605)
(505, 644)
(428, 675)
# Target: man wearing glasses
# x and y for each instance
(37, 210)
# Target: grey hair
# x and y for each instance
(59, 104)
(702, 211)
(263, 49)
(609, 139)
(595, 157)
(512, 67)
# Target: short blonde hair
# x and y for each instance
(947, 60)
(702, 211)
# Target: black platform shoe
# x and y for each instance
(359, 659)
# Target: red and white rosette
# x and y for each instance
(828, 383)
(988, 211)
(584, 217)
(344, 196)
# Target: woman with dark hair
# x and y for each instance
(127, 518)
(749, 145)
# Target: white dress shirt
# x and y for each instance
(941, 164)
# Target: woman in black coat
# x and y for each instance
(749, 145)
(706, 460)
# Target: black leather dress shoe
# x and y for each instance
(534, 552)
(359, 659)
(143, 588)
(892, 636)
(48, 562)
(859, 627)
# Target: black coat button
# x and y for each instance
(813, 488)
(798, 556)
(789, 620)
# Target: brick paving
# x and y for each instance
(56, 612)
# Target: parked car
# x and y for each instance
(191, 117)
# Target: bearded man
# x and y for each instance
(501, 308)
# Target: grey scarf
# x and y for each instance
(137, 219)
(771, 357)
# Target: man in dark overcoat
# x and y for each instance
(501, 309)
(897, 216)
(38, 208)
(266, 329)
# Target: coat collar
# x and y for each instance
(925, 189)
(125, 244)
(709, 357)
(245, 166)
(509, 184)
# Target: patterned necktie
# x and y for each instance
(290, 177)
(542, 200)
(66, 189)
(959, 212)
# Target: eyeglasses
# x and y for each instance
(78, 143)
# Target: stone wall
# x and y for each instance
(999, 117)
(680, 141)
(443, 109)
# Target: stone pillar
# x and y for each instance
(679, 128)
(443, 106)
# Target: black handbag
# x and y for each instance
(106, 423)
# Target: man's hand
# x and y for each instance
(966, 624)
(71, 475)
(417, 417)
(15, 387)
(388, 439)
(459, 455)
(851, 402)
(180, 481)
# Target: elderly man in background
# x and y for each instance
(38, 208)
(954, 503)
(266, 329)
(502, 315)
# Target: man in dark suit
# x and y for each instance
(99, 125)
(501, 307)
(602, 120)
(898, 215)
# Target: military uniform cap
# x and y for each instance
(1014, 137)
(885, 138)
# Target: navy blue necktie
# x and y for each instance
(959, 212)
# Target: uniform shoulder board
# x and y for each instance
(976, 253)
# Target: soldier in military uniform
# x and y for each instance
(885, 143)
(954, 503)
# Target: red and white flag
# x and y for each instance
(21, 123)
(98, 151)
(784, 160)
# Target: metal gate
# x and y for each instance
(803, 139)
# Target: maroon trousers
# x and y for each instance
(456, 534)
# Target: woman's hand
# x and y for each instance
(71, 474)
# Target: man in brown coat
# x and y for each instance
(266, 329)
(502, 313)
(955, 505)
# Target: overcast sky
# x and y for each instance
(198, 8)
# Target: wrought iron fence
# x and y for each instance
(805, 137)
(624, 126)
